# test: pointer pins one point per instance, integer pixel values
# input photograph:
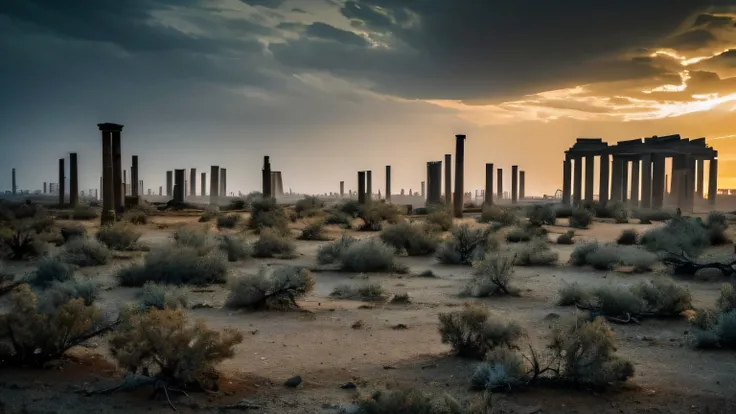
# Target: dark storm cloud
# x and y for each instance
(270, 4)
(466, 49)
(327, 32)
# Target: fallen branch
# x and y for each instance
(682, 264)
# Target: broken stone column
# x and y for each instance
(117, 171)
(634, 200)
(457, 208)
(448, 179)
(361, 187)
(566, 180)
(134, 179)
(434, 182)
(125, 183)
(169, 183)
(73, 181)
(499, 183)
(577, 181)
(160, 191)
(658, 178)
(62, 188)
(603, 192)
(646, 181)
(193, 182)
(214, 184)
(266, 175)
(368, 186)
(522, 185)
(713, 180)
(689, 183)
(388, 183)
(15, 186)
(179, 176)
(342, 189)
(223, 182)
(203, 183)
(44, 187)
(514, 184)
(489, 185)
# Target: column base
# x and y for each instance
(107, 218)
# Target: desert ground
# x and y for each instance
(321, 345)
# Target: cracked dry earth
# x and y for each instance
(326, 351)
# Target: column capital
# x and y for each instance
(107, 126)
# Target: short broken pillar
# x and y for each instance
(179, 176)
(193, 182)
(499, 183)
(61, 182)
(514, 184)
(488, 193)
(522, 185)
(169, 183)
(223, 182)
(361, 187)
(73, 180)
(266, 178)
(136, 190)
(107, 181)
(388, 183)
(342, 189)
(214, 184)
(368, 186)
(15, 186)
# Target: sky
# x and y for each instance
(331, 87)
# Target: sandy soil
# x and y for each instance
(323, 348)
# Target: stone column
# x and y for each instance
(434, 182)
(699, 187)
(589, 177)
(577, 181)
(44, 187)
(713, 181)
(499, 184)
(675, 185)
(368, 186)
(522, 185)
(203, 184)
(459, 175)
(15, 187)
(160, 191)
(215, 184)
(566, 180)
(223, 182)
(73, 180)
(117, 171)
(266, 177)
(604, 171)
(646, 181)
(489, 185)
(424, 195)
(625, 181)
(634, 200)
(136, 190)
(193, 182)
(107, 184)
(689, 183)
(658, 174)
(62, 184)
(616, 178)
(448, 180)
(361, 187)
(179, 176)
(388, 184)
(125, 183)
(342, 189)
(514, 184)
(169, 183)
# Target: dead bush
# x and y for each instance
(51, 270)
(374, 214)
(518, 235)
(647, 216)
(368, 255)
(412, 401)
(29, 337)
(540, 214)
(608, 256)
(265, 213)
(440, 217)
(628, 237)
(721, 333)
(161, 296)
(466, 245)
(85, 252)
(574, 294)
(678, 236)
(309, 207)
(175, 265)
(229, 221)
(314, 231)
(472, 333)
(409, 238)
(496, 214)
(85, 213)
(580, 218)
(23, 243)
(272, 244)
(70, 232)
(136, 217)
(164, 345)
(535, 253)
(234, 247)
(330, 253)
(120, 236)
(273, 287)
(492, 276)
(566, 238)
(579, 256)
(372, 292)
(340, 219)
(59, 293)
(663, 297)
(197, 238)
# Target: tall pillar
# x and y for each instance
(117, 171)
(223, 182)
(62, 184)
(625, 181)
(125, 182)
(658, 174)
(361, 187)
(489, 185)
(193, 182)
(342, 189)
(388, 184)
(44, 187)
(678, 164)
(203, 184)
(589, 177)
(179, 176)
(169, 183)
(689, 183)
(699, 183)
(424, 195)
(434, 182)
(448, 180)
(368, 186)
(577, 181)
(566, 180)
(266, 177)
(134, 180)
(15, 187)
(459, 175)
(499, 183)
(646, 181)
(616, 177)
(604, 171)
(215, 184)
(514, 184)
(713, 180)
(522, 185)
(160, 191)
(634, 200)
(73, 180)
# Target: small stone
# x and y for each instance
(349, 386)
(293, 382)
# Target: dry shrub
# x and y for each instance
(23, 243)
(573, 294)
(579, 256)
(608, 256)
(350, 207)
(678, 236)
(412, 239)
(368, 255)
(472, 333)
(85, 252)
(466, 245)
(536, 253)
(70, 232)
(234, 247)
(208, 216)
(628, 237)
(401, 298)
(411, 401)
(120, 236)
(265, 213)
(566, 238)
(492, 276)
(580, 218)
(727, 299)
(51, 270)
(163, 344)
(496, 214)
(540, 214)
(314, 231)
(330, 253)
(440, 217)
(136, 217)
(372, 292)
(518, 235)
(176, 266)
(647, 216)
(59, 293)
(309, 207)
(197, 238)
(273, 287)
(162, 296)
(374, 214)
(663, 297)
(503, 368)
(272, 244)
(562, 210)
(229, 221)
(29, 336)
(340, 219)
(720, 334)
